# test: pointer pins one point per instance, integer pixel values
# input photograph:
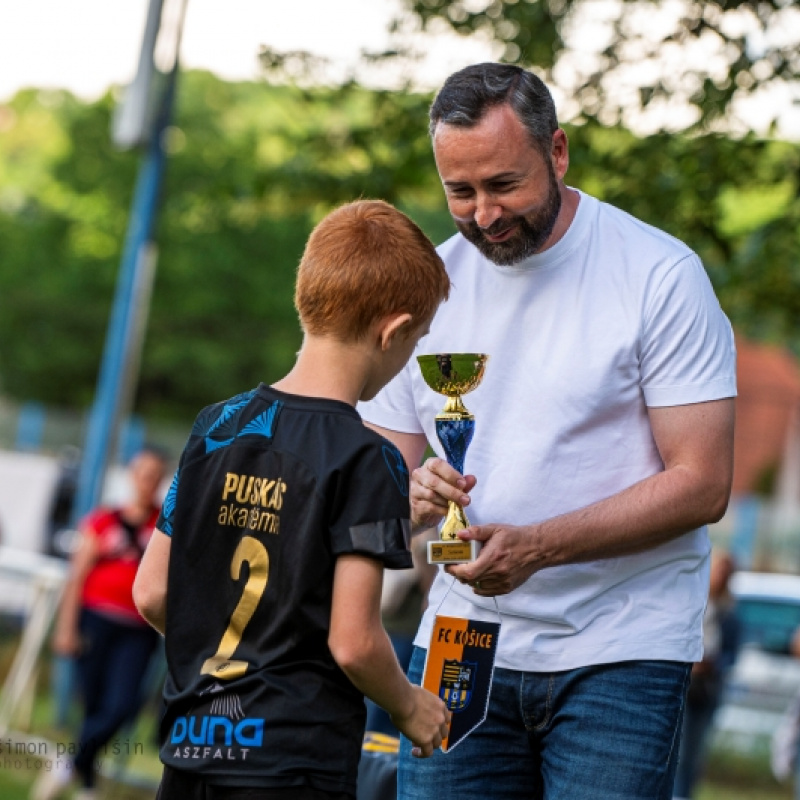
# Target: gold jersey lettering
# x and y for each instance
(243, 492)
(249, 496)
(252, 523)
(231, 482)
(276, 501)
(263, 493)
(226, 515)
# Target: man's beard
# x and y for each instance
(532, 231)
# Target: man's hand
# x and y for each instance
(432, 486)
(506, 560)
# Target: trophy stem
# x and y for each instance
(454, 405)
(456, 520)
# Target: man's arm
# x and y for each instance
(696, 445)
(150, 586)
(360, 646)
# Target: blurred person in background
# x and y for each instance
(721, 637)
(99, 626)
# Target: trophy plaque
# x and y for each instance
(453, 375)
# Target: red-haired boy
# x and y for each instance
(265, 570)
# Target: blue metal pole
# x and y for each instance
(103, 419)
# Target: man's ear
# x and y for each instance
(391, 326)
(559, 154)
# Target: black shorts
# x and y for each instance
(179, 785)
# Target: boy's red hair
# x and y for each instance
(364, 261)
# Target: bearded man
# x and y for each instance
(603, 447)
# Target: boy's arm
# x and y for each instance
(150, 586)
(360, 646)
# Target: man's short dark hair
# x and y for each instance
(469, 93)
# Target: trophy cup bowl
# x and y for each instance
(453, 375)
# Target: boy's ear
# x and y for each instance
(391, 326)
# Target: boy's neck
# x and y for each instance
(328, 368)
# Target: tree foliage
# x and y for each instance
(666, 65)
(252, 167)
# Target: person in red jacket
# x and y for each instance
(98, 624)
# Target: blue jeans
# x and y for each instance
(607, 732)
(111, 668)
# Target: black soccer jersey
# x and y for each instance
(270, 489)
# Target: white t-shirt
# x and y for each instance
(581, 338)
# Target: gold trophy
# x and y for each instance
(453, 375)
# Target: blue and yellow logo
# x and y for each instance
(458, 679)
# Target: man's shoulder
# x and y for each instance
(638, 232)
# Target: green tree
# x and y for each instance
(734, 199)
(252, 167)
(615, 61)
(59, 243)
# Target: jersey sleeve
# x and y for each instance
(167, 515)
(371, 512)
(213, 427)
(688, 354)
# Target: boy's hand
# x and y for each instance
(426, 725)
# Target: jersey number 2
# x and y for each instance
(221, 665)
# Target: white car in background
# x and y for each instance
(765, 677)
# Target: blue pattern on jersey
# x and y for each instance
(168, 508)
(224, 424)
(205, 419)
(211, 417)
(213, 421)
(213, 444)
(262, 424)
(397, 467)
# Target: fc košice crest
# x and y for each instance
(458, 680)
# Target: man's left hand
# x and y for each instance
(506, 559)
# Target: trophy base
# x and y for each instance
(454, 552)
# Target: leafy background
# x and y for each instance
(253, 166)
